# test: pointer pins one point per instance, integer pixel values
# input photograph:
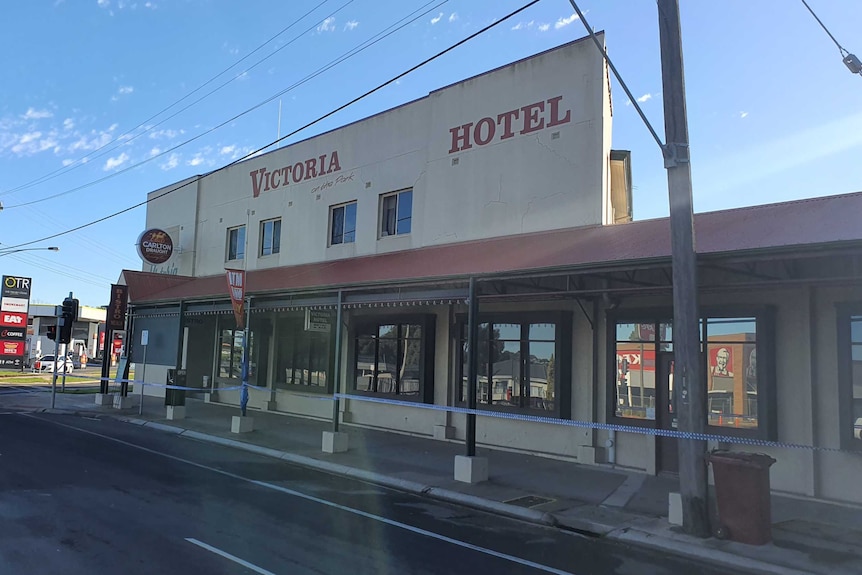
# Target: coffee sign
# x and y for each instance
(155, 246)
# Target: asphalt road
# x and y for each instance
(81, 495)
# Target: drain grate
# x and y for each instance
(529, 501)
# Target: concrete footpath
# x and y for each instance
(808, 537)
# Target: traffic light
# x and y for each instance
(68, 317)
(52, 332)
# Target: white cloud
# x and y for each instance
(33, 114)
(104, 3)
(436, 18)
(523, 25)
(544, 27)
(68, 124)
(155, 151)
(172, 162)
(91, 142)
(68, 162)
(327, 25)
(351, 25)
(150, 5)
(563, 22)
(197, 160)
(226, 150)
(645, 98)
(116, 162)
(126, 90)
(743, 114)
(167, 134)
(453, 16)
(29, 137)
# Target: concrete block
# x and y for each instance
(674, 509)
(444, 432)
(334, 442)
(241, 424)
(104, 399)
(122, 402)
(211, 397)
(471, 469)
(586, 455)
(272, 405)
(176, 412)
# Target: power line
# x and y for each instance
(386, 32)
(619, 78)
(851, 61)
(79, 161)
(294, 132)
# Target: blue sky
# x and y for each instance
(773, 113)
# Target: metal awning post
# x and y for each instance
(336, 380)
(472, 364)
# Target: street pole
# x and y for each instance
(686, 339)
(143, 374)
(59, 313)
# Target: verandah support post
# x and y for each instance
(336, 380)
(472, 365)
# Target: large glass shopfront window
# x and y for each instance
(737, 398)
(303, 357)
(522, 362)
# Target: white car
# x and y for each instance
(46, 363)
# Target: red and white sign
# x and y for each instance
(12, 319)
(15, 304)
(11, 348)
(236, 287)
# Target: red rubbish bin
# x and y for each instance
(742, 493)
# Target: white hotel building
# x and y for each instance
(509, 178)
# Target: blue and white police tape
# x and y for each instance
(737, 440)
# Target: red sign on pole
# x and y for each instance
(236, 287)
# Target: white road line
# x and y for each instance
(227, 555)
(386, 520)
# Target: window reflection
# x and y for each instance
(731, 354)
(389, 359)
(516, 365)
(856, 374)
(302, 356)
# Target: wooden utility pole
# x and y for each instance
(689, 391)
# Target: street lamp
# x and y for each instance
(9, 252)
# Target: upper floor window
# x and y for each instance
(342, 229)
(270, 237)
(396, 213)
(236, 243)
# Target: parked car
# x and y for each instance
(46, 363)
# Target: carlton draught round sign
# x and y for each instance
(155, 246)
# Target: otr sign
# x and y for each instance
(16, 283)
